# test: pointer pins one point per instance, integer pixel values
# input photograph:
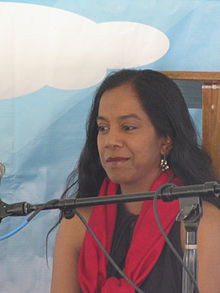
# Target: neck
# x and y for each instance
(135, 207)
(140, 186)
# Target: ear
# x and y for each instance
(166, 145)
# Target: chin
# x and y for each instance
(118, 179)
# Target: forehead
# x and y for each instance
(120, 100)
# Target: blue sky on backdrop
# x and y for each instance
(53, 54)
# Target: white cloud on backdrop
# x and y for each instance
(41, 45)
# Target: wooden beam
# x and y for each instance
(193, 75)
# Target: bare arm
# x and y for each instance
(68, 243)
(208, 239)
(209, 250)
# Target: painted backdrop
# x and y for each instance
(53, 54)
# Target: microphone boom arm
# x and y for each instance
(168, 192)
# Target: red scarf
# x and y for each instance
(145, 248)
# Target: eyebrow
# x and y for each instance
(122, 117)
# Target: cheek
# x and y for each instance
(100, 147)
(99, 143)
(149, 150)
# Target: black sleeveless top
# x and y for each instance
(166, 276)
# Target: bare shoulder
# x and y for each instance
(72, 230)
(208, 240)
(69, 240)
(209, 226)
(210, 221)
(209, 229)
(208, 249)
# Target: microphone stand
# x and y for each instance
(190, 212)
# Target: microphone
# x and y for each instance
(16, 209)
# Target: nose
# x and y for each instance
(113, 139)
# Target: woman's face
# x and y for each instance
(128, 145)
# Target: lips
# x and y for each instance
(116, 159)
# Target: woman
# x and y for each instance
(139, 137)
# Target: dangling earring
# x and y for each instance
(164, 164)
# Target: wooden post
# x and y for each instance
(211, 121)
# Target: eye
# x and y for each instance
(129, 127)
(102, 128)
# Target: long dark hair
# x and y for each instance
(163, 102)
